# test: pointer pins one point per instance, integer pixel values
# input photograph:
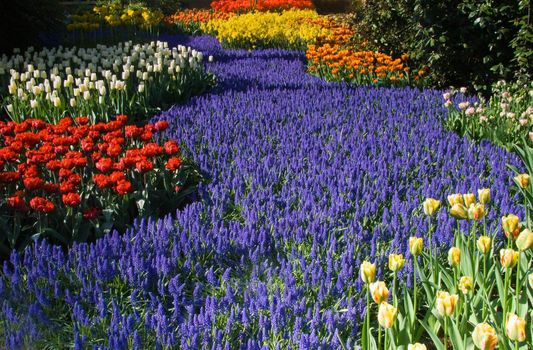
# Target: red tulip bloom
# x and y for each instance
(123, 187)
(67, 187)
(171, 147)
(102, 181)
(71, 199)
(173, 163)
(151, 150)
(161, 125)
(33, 183)
(104, 165)
(42, 205)
(144, 166)
(114, 150)
(17, 203)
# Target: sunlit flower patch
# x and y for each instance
(259, 5)
(189, 21)
(337, 63)
(133, 79)
(293, 29)
(77, 180)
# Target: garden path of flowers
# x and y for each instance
(305, 180)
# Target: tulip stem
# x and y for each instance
(394, 297)
(445, 332)
(379, 337)
(506, 287)
(367, 316)
(517, 289)
(483, 284)
(415, 266)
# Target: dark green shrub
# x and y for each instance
(463, 42)
(23, 22)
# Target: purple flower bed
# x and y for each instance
(307, 179)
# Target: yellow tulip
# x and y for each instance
(484, 244)
(416, 346)
(379, 292)
(524, 240)
(469, 199)
(416, 245)
(508, 258)
(454, 256)
(484, 337)
(459, 211)
(466, 284)
(368, 272)
(511, 225)
(387, 315)
(455, 198)
(476, 211)
(446, 303)
(484, 195)
(431, 206)
(515, 328)
(396, 262)
(522, 180)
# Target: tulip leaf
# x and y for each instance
(436, 341)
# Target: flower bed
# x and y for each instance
(505, 119)
(76, 181)
(309, 179)
(293, 29)
(190, 21)
(114, 22)
(133, 79)
(335, 63)
(241, 6)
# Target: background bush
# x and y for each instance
(463, 42)
(23, 21)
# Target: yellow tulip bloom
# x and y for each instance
(508, 258)
(454, 256)
(484, 244)
(416, 245)
(466, 284)
(396, 262)
(522, 180)
(416, 346)
(515, 328)
(476, 211)
(455, 198)
(484, 195)
(446, 303)
(469, 199)
(484, 337)
(524, 240)
(379, 292)
(459, 211)
(431, 206)
(511, 225)
(387, 315)
(368, 272)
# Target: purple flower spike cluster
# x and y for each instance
(306, 180)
